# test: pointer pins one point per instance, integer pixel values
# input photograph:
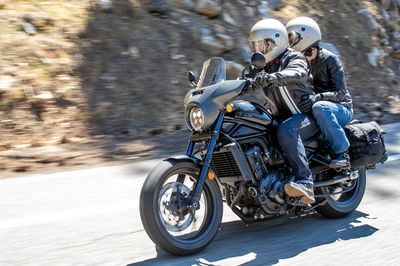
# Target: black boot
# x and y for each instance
(303, 190)
(340, 160)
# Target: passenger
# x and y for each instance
(332, 105)
(286, 80)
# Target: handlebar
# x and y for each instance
(248, 87)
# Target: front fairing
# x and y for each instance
(212, 99)
(212, 91)
(213, 72)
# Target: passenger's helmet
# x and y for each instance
(268, 37)
(303, 33)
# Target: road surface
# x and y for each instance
(91, 217)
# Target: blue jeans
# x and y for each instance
(291, 134)
(331, 117)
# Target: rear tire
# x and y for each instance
(152, 213)
(347, 202)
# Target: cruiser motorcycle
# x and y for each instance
(233, 156)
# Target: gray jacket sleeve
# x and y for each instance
(296, 70)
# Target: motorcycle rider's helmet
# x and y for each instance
(303, 33)
(268, 37)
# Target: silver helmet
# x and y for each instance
(268, 37)
(303, 32)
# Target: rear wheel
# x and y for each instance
(164, 213)
(342, 204)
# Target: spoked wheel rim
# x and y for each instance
(181, 224)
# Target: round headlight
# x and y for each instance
(196, 118)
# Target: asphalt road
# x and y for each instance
(91, 217)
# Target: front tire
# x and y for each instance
(346, 203)
(166, 228)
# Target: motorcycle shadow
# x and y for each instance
(269, 242)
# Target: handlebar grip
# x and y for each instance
(248, 87)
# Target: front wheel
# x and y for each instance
(342, 204)
(164, 213)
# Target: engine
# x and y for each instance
(271, 180)
(256, 161)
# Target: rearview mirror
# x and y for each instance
(258, 60)
(191, 78)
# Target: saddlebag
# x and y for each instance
(367, 145)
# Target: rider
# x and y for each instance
(332, 105)
(285, 81)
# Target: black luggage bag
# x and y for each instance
(367, 146)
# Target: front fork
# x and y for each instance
(194, 203)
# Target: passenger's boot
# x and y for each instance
(340, 160)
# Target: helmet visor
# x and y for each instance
(262, 46)
(294, 38)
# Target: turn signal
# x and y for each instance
(211, 175)
(229, 108)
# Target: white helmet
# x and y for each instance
(303, 33)
(268, 37)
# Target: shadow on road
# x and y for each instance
(268, 242)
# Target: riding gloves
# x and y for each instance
(253, 71)
(308, 101)
(263, 80)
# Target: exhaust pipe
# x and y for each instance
(337, 179)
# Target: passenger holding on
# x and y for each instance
(285, 81)
(332, 105)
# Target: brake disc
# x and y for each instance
(171, 221)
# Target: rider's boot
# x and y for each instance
(303, 190)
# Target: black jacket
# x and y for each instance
(293, 82)
(329, 78)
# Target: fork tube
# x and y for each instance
(206, 162)
(189, 149)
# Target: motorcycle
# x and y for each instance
(233, 156)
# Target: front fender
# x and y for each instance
(196, 161)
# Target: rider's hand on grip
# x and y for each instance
(263, 80)
(249, 87)
(252, 72)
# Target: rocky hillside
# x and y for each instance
(99, 73)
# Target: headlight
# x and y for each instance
(196, 118)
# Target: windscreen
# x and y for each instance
(214, 71)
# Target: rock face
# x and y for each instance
(226, 41)
(208, 8)
(370, 23)
(396, 53)
(28, 28)
(246, 54)
(105, 5)
(263, 10)
(187, 4)
(276, 4)
(134, 52)
(84, 71)
(39, 20)
(330, 47)
(6, 83)
(214, 44)
(233, 70)
(376, 56)
(159, 7)
(395, 36)
(228, 19)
